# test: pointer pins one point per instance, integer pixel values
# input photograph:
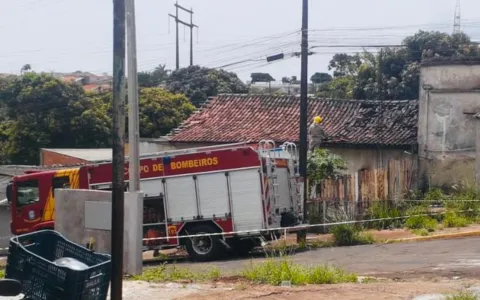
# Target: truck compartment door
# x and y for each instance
(213, 195)
(181, 198)
(247, 209)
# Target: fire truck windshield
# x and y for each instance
(9, 192)
(27, 192)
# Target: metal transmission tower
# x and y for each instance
(456, 18)
(190, 25)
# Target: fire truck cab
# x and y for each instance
(235, 196)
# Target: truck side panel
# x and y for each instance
(246, 193)
(152, 187)
(181, 198)
(213, 195)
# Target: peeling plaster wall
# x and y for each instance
(447, 136)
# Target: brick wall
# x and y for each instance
(48, 158)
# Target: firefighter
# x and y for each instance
(316, 133)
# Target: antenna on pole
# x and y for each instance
(456, 19)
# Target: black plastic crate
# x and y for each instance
(31, 261)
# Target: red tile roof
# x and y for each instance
(237, 118)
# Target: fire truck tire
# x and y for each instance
(203, 248)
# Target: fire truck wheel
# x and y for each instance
(203, 248)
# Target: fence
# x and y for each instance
(366, 185)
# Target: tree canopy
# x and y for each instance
(261, 77)
(392, 73)
(153, 78)
(41, 111)
(199, 83)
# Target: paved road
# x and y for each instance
(455, 257)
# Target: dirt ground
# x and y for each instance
(244, 291)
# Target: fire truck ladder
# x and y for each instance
(293, 168)
(268, 151)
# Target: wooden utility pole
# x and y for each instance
(302, 235)
(190, 25)
(118, 154)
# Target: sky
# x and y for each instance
(71, 35)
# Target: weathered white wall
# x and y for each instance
(447, 136)
(70, 221)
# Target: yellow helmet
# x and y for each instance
(317, 120)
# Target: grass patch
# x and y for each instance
(421, 232)
(2, 274)
(421, 222)
(274, 272)
(349, 235)
(385, 210)
(452, 219)
(164, 274)
(463, 295)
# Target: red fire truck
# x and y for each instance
(233, 189)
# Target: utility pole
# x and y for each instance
(190, 25)
(302, 235)
(133, 111)
(457, 18)
(118, 154)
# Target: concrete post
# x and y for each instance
(85, 215)
(133, 258)
(477, 151)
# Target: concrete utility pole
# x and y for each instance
(133, 111)
(190, 25)
(476, 116)
(302, 235)
(118, 154)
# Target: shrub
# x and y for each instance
(275, 271)
(453, 220)
(465, 202)
(435, 194)
(384, 210)
(421, 222)
(2, 274)
(349, 235)
(463, 295)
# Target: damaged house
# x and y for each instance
(367, 134)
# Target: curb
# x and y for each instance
(435, 237)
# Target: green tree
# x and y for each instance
(344, 64)
(25, 68)
(199, 83)
(338, 88)
(264, 77)
(161, 111)
(319, 78)
(40, 111)
(154, 78)
(322, 164)
(38, 114)
(393, 73)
